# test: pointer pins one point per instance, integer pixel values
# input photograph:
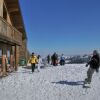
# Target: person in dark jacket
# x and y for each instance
(54, 59)
(48, 59)
(94, 66)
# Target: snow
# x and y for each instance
(51, 83)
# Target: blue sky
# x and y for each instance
(62, 26)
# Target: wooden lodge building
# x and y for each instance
(13, 39)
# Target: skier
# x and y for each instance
(33, 60)
(39, 62)
(62, 60)
(94, 66)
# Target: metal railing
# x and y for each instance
(10, 32)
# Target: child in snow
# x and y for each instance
(39, 62)
(94, 66)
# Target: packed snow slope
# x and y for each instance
(51, 83)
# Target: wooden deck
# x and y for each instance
(9, 34)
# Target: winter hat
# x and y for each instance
(32, 53)
(95, 52)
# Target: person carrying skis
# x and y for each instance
(33, 60)
(94, 66)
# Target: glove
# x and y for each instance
(97, 70)
(86, 65)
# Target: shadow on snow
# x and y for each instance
(70, 83)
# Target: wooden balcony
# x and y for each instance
(9, 34)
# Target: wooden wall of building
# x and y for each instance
(10, 11)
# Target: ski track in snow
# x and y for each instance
(51, 83)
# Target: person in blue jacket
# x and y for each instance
(62, 60)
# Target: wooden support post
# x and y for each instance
(1, 13)
(11, 59)
(1, 8)
(16, 57)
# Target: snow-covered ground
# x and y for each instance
(51, 83)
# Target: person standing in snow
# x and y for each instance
(33, 60)
(94, 66)
(48, 59)
(62, 60)
(39, 62)
(54, 59)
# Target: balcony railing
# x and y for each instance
(9, 33)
